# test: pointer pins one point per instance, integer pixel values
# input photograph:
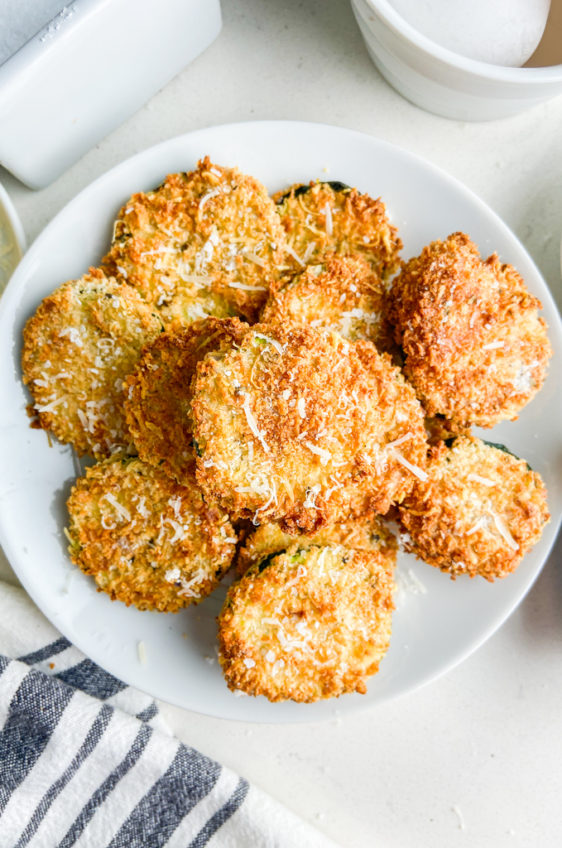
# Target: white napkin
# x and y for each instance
(87, 761)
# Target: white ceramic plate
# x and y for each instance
(433, 629)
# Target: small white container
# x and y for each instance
(443, 82)
(92, 66)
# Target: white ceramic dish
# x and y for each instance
(12, 238)
(433, 629)
(80, 76)
(435, 78)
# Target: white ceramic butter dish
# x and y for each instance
(88, 69)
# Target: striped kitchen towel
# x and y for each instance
(87, 761)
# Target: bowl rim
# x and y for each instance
(13, 219)
(500, 73)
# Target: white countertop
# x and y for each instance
(474, 759)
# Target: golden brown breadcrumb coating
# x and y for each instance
(478, 513)
(304, 427)
(204, 243)
(441, 429)
(330, 217)
(145, 539)
(158, 392)
(308, 625)
(342, 294)
(365, 534)
(475, 347)
(80, 345)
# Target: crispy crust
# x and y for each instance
(309, 625)
(355, 223)
(441, 429)
(158, 393)
(296, 425)
(479, 513)
(204, 243)
(366, 534)
(82, 342)
(475, 347)
(342, 294)
(145, 539)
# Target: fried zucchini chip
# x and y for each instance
(366, 534)
(475, 347)
(204, 243)
(78, 348)
(479, 512)
(329, 217)
(158, 392)
(306, 428)
(307, 624)
(145, 539)
(342, 294)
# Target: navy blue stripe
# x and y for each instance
(34, 713)
(148, 713)
(44, 653)
(106, 787)
(4, 663)
(93, 737)
(189, 778)
(92, 679)
(222, 815)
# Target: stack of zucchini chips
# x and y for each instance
(264, 383)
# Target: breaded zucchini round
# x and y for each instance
(304, 427)
(204, 243)
(78, 348)
(475, 347)
(479, 512)
(365, 534)
(330, 217)
(145, 539)
(307, 625)
(342, 294)
(158, 392)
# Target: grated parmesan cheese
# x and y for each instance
(311, 494)
(121, 511)
(417, 472)
(244, 287)
(252, 424)
(325, 455)
(278, 347)
(504, 532)
(295, 255)
(476, 478)
(329, 220)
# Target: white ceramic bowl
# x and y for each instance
(443, 82)
(12, 238)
